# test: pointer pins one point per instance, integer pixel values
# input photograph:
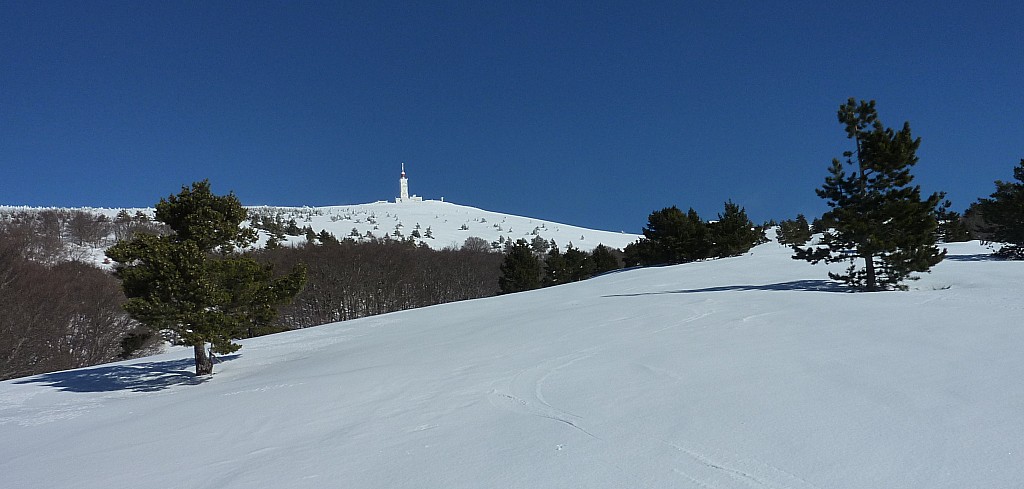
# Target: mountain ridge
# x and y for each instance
(445, 219)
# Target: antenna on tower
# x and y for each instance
(403, 185)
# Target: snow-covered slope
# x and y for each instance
(744, 372)
(449, 224)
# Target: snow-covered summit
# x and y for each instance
(450, 224)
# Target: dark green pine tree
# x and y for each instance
(1003, 215)
(952, 228)
(603, 260)
(326, 238)
(794, 232)
(521, 269)
(555, 271)
(877, 217)
(675, 237)
(734, 233)
(640, 253)
(255, 292)
(577, 263)
(193, 282)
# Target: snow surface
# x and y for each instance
(747, 372)
(445, 220)
(450, 224)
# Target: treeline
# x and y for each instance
(672, 237)
(60, 311)
(57, 314)
(528, 266)
(348, 279)
(1000, 217)
(59, 235)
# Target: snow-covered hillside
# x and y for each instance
(449, 224)
(745, 372)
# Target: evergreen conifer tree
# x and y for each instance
(876, 215)
(539, 244)
(555, 271)
(577, 264)
(521, 269)
(674, 237)
(639, 253)
(734, 233)
(603, 260)
(794, 232)
(193, 282)
(952, 228)
(1003, 215)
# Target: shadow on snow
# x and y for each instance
(797, 285)
(977, 257)
(138, 377)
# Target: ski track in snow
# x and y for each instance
(523, 393)
(701, 468)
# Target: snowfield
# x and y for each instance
(747, 372)
(450, 224)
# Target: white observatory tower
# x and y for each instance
(403, 186)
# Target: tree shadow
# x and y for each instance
(138, 377)
(796, 285)
(976, 257)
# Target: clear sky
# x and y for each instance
(589, 113)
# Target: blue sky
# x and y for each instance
(589, 113)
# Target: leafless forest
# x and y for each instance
(61, 308)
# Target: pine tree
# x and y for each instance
(673, 237)
(876, 215)
(794, 232)
(1003, 215)
(539, 244)
(577, 264)
(193, 282)
(603, 260)
(521, 269)
(952, 228)
(734, 233)
(326, 238)
(555, 271)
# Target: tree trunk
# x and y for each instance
(869, 265)
(204, 364)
